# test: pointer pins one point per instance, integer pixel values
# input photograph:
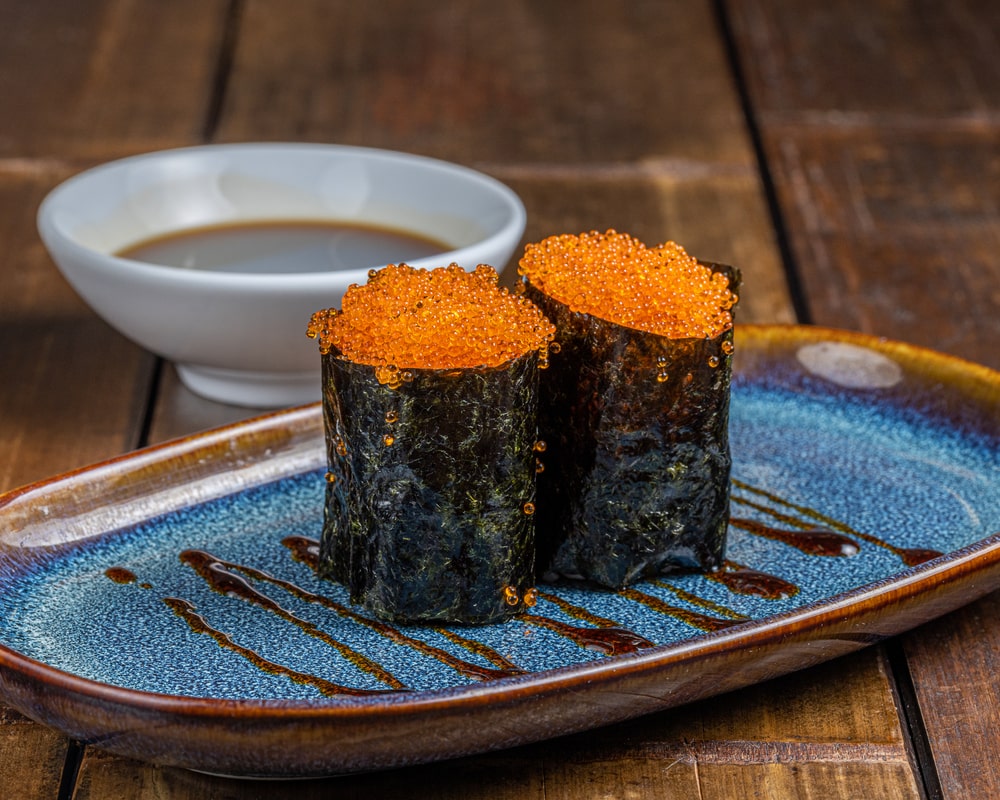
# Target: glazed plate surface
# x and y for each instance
(163, 605)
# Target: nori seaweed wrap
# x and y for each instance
(637, 461)
(430, 490)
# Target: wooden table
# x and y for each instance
(846, 155)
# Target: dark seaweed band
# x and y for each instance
(429, 501)
(636, 479)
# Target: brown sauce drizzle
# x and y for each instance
(700, 602)
(608, 638)
(578, 612)
(610, 641)
(469, 670)
(306, 551)
(692, 618)
(835, 540)
(223, 580)
(812, 541)
(505, 665)
(911, 556)
(124, 576)
(120, 575)
(197, 623)
(741, 579)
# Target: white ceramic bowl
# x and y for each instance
(240, 338)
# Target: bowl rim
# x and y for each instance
(54, 235)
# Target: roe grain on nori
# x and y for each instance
(637, 463)
(430, 492)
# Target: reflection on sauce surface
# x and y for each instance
(120, 575)
(812, 541)
(911, 556)
(743, 580)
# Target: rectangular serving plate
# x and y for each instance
(51, 530)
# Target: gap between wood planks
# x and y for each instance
(898, 669)
(71, 769)
(223, 69)
(791, 269)
(906, 702)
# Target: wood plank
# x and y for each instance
(880, 126)
(48, 339)
(679, 773)
(896, 232)
(796, 732)
(102, 78)
(31, 757)
(481, 82)
(839, 781)
(847, 701)
(879, 62)
(954, 663)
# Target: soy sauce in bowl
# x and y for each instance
(285, 246)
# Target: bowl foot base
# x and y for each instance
(253, 389)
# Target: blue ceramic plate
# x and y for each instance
(163, 605)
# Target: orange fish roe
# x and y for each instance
(445, 318)
(614, 276)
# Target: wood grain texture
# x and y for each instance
(674, 774)
(831, 781)
(793, 737)
(845, 701)
(908, 63)
(521, 82)
(896, 233)
(31, 758)
(894, 219)
(880, 125)
(103, 78)
(954, 663)
(73, 389)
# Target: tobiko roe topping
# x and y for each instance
(445, 318)
(615, 277)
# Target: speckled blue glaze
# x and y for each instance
(880, 464)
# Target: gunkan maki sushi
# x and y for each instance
(634, 408)
(430, 387)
